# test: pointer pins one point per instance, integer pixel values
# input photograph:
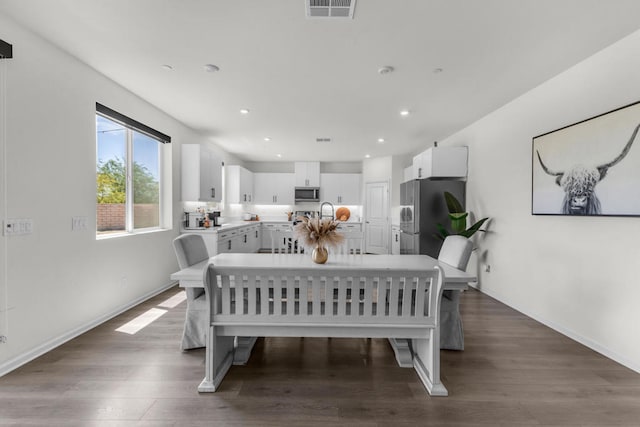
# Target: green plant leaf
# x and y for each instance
(457, 216)
(443, 232)
(474, 228)
(458, 221)
(452, 203)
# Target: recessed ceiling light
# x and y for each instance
(210, 68)
(278, 155)
(167, 67)
(267, 139)
(404, 113)
(244, 111)
(366, 156)
(380, 140)
(385, 70)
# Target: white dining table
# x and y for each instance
(454, 280)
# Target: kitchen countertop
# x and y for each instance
(237, 224)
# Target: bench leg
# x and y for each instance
(243, 350)
(401, 348)
(426, 362)
(218, 360)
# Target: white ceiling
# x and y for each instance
(307, 78)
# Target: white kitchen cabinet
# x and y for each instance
(239, 185)
(273, 188)
(350, 227)
(255, 238)
(239, 240)
(395, 240)
(340, 188)
(249, 239)
(226, 241)
(441, 162)
(201, 174)
(307, 174)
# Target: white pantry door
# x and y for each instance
(376, 211)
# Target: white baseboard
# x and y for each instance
(23, 358)
(593, 345)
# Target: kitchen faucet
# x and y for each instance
(333, 211)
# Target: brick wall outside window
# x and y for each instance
(111, 216)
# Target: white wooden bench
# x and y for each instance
(302, 303)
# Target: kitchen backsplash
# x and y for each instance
(274, 213)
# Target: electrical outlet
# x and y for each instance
(79, 223)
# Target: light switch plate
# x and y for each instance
(17, 226)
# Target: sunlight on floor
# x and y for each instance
(141, 321)
(174, 300)
(153, 314)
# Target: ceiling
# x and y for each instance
(454, 62)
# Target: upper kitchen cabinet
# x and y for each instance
(239, 185)
(307, 174)
(441, 162)
(201, 174)
(340, 188)
(273, 188)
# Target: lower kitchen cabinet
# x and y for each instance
(243, 239)
(395, 240)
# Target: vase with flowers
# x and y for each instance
(317, 234)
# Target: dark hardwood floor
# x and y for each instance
(514, 371)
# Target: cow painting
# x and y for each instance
(579, 183)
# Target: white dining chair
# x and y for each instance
(353, 244)
(284, 242)
(455, 251)
(190, 249)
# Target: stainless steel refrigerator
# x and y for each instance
(422, 206)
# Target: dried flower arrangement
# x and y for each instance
(316, 232)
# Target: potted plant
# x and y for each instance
(317, 234)
(458, 218)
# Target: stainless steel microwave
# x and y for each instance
(307, 194)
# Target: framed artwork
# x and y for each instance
(589, 168)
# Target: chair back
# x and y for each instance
(456, 251)
(284, 242)
(190, 249)
(352, 244)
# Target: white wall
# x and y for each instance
(579, 275)
(59, 282)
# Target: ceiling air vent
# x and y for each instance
(323, 139)
(330, 8)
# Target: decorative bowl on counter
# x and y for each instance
(343, 214)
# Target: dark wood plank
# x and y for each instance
(514, 371)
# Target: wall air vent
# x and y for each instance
(330, 8)
(323, 139)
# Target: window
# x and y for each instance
(128, 174)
